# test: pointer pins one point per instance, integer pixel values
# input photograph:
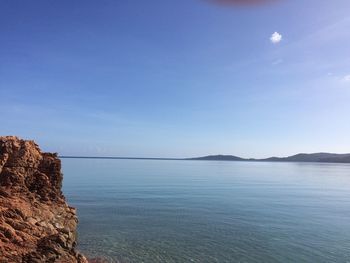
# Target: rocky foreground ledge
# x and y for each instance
(36, 224)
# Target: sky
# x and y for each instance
(166, 78)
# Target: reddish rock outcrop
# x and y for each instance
(36, 224)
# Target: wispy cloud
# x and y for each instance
(276, 38)
(239, 2)
(277, 62)
(346, 78)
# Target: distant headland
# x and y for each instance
(301, 157)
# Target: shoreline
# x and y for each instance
(197, 159)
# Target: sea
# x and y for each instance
(210, 211)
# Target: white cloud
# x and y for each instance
(346, 78)
(276, 38)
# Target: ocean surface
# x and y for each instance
(208, 211)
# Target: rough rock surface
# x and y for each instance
(36, 224)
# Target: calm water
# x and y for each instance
(195, 211)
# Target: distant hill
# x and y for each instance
(313, 157)
(301, 157)
(218, 158)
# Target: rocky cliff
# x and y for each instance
(36, 224)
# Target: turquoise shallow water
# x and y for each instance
(197, 211)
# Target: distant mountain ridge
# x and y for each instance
(301, 157)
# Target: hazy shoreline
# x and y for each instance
(301, 157)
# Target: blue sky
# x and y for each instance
(176, 78)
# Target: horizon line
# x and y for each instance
(118, 157)
(218, 157)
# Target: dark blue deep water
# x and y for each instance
(197, 211)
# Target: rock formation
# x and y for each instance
(36, 224)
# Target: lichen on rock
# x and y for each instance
(36, 223)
